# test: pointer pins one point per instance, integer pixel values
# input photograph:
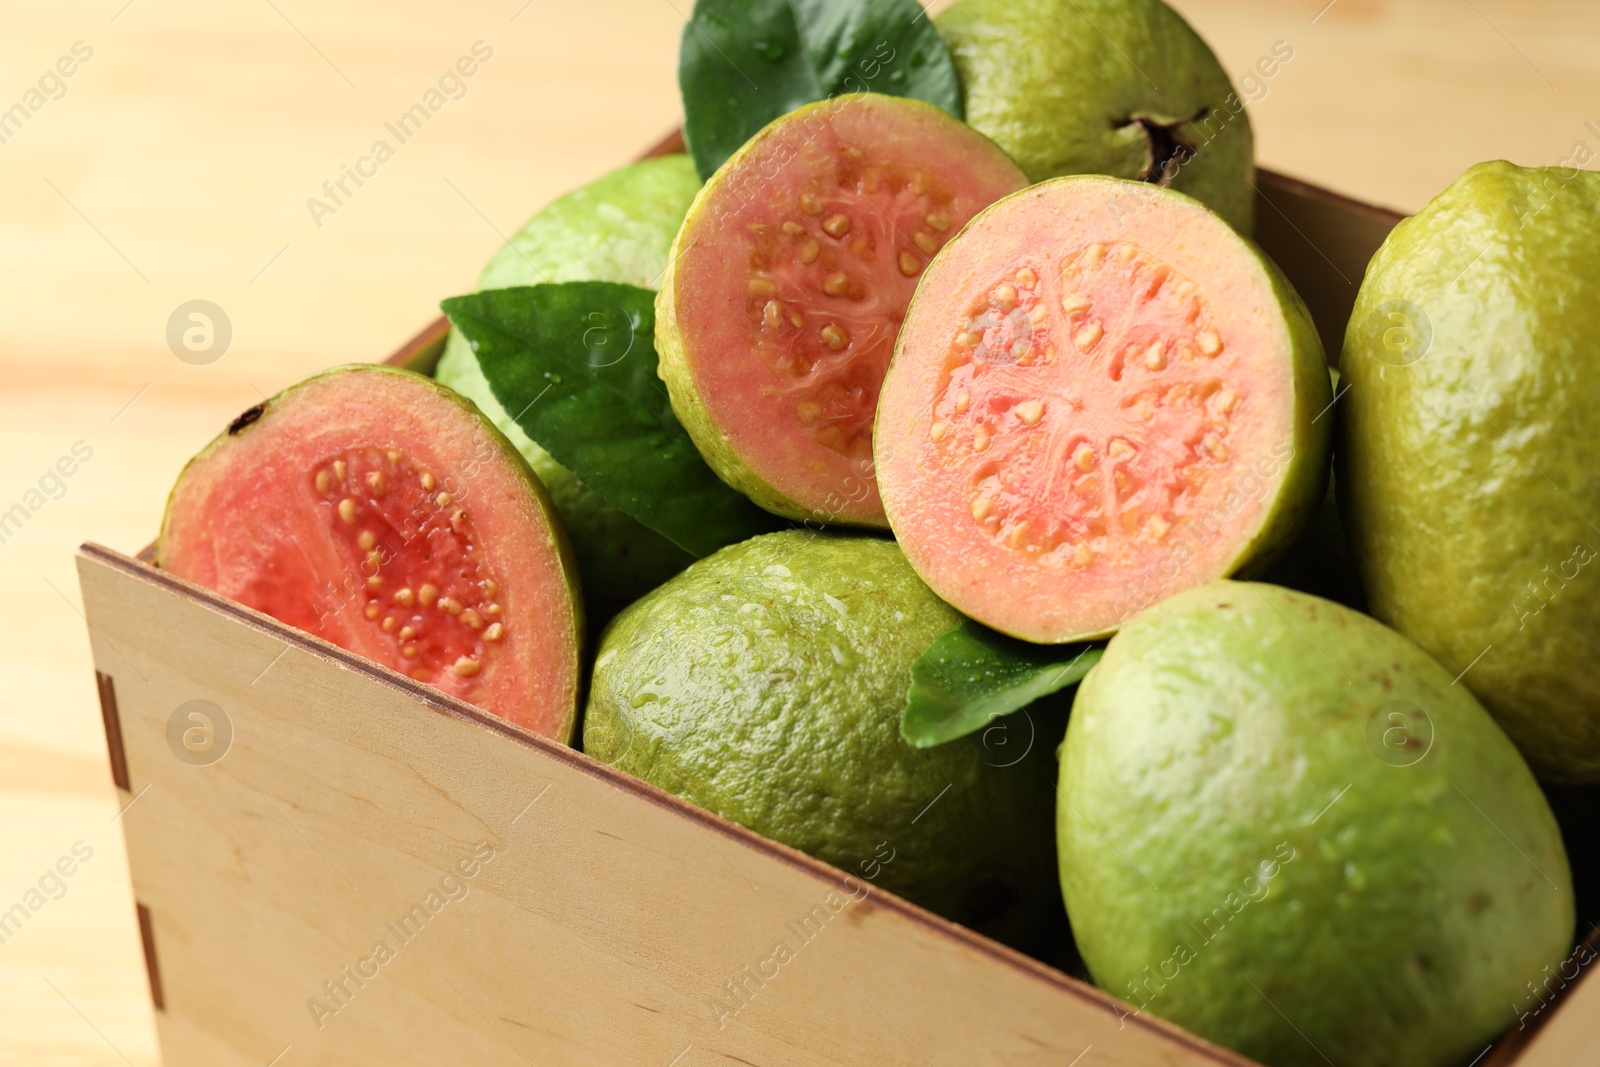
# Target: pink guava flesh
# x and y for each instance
(1092, 406)
(793, 277)
(375, 510)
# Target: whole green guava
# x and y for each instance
(615, 229)
(1119, 87)
(766, 682)
(1283, 828)
(1470, 451)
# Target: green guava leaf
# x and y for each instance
(972, 675)
(743, 63)
(575, 365)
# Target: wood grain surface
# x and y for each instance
(175, 164)
(419, 883)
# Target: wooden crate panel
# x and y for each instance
(577, 916)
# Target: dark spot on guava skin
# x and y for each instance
(1476, 903)
(1167, 149)
(245, 418)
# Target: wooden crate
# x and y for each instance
(532, 904)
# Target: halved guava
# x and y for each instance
(377, 510)
(1102, 395)
(789, 279)
(615, 229)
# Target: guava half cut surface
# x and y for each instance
(381, 512)
(789, 280)
(1102, 395)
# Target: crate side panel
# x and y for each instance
(364, 877)
(1560, 1024)
(1572, 1036)
(1322, 242)
(422, 352)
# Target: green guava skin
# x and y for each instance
(1222, 764)
(1468, 477)
(616, 229)
(1056, 84)
(766, 682)
(1305, 483)
(687, 403)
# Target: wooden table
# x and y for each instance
(176, 165)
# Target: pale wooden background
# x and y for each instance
(177, 166)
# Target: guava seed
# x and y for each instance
(1153, 316)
